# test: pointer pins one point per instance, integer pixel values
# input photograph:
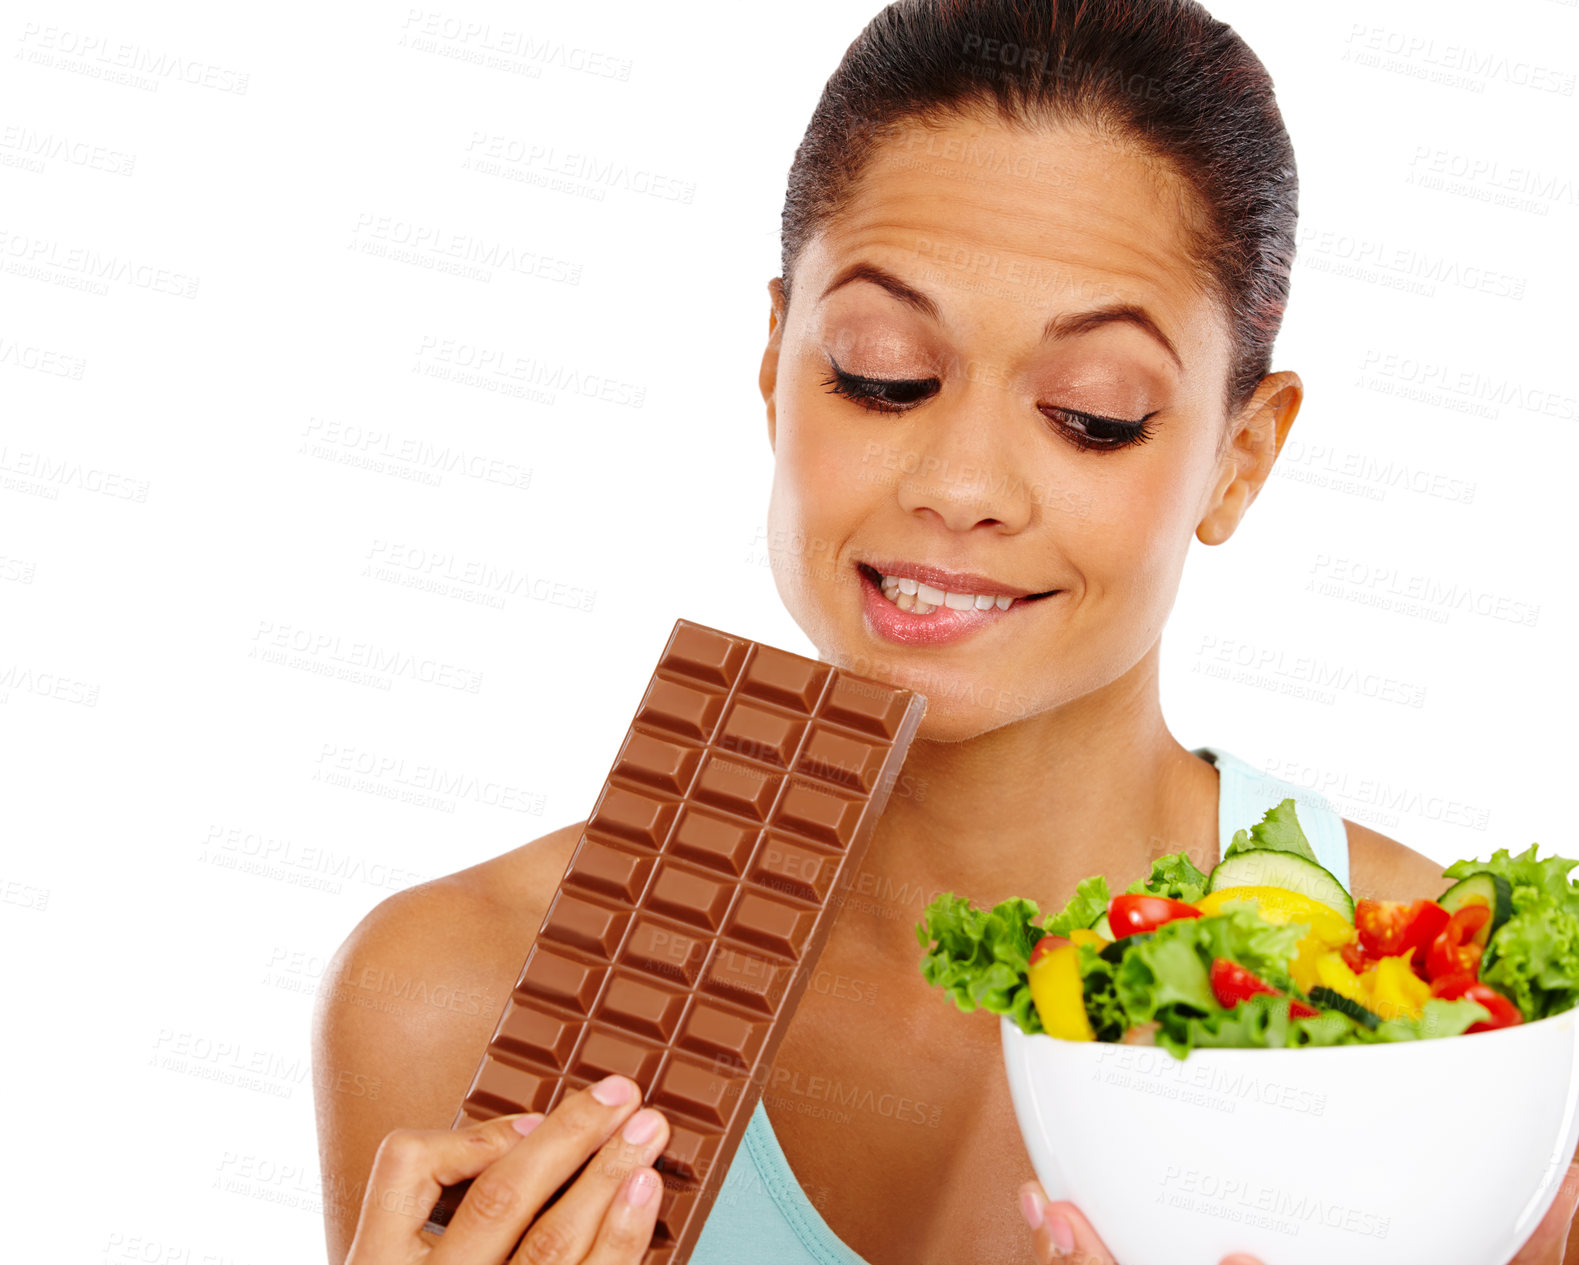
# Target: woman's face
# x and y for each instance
(1000, 377)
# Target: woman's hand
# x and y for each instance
(517, 1163)
(1547, 1244)
(1062, 1234)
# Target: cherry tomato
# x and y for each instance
(1233, 983)
(1131, 913)
(1504, 1014)
(1457, 951)
(1046, 945)
(1479, 924)
(1390, 927)
(1356, 958)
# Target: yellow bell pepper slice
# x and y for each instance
(1395, 989)
(1084, 935)
(1302, 970)
(1328, 928)
(1334, 973)
(1389, 989)
(1059, 994)
(1280, 905)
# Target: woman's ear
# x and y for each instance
(769, 376)
(1255, 437)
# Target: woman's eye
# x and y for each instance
(881, 395)
(894, 395)
(1088, 430)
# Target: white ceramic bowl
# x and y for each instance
(1442, 1152)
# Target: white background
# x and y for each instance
(191, 826)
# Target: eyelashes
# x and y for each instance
(896, 395)
(880, 395)
(1088, 430)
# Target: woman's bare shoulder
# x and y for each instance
(409, 1003)
(466, 925)
(1381, 868)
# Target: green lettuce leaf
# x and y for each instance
(1264, 1023)
(1548, 879)
(1438, 1018)
(1164, 970)
(1172, 966)
(1103, 1008)
(1174, 875)
(1279, 831)
(1259, 1022)
(1330, 1027)
(1087, 905)
(1242, 935)
(1534, 959)
(980, 957)
(1534, 956)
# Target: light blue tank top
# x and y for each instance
(762, 1215)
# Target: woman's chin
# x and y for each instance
(953, 721)
(948, 730)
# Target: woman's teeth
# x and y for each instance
(923, 599)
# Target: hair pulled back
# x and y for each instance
(1162, 74)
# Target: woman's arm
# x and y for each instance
(408, 1005)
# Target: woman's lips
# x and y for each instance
(948, 581)
(943, 625)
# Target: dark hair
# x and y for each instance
(1162, 74)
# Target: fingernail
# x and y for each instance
(1031, 1208)
(641, 1187)
(1063, 1234)
(641, 1127)
(525, 1124)
(611, 1091)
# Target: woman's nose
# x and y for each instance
(963, 473)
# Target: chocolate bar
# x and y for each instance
(693, 910)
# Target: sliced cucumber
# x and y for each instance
(1103, 927)
(1328, 999)
(1492, 890)
(1264, 867)
(1114, 953)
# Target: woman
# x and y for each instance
(1034, 260)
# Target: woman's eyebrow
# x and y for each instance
(1066, 325)
(901, 290)
(1071, 323)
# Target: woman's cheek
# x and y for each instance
(807, 457)
(1135, 542)
(804, 508)
(789, 529)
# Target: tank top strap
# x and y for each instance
(763, 1215)
(1244, 793)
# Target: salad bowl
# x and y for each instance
(1446, 1152)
